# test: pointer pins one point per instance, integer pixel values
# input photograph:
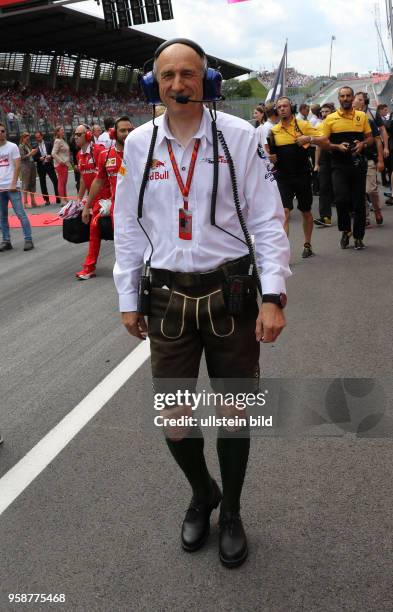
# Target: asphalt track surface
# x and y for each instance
(101, 523)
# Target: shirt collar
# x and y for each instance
(204, 130)
(343, 113)
(292, 123)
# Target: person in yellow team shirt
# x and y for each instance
(349, 134)
(288, 143)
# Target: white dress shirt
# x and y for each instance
(264, 131)
(209, 247)
(315, 121)
(104, 139)
(42, 147)
(301, 117)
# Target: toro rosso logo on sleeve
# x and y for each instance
(270, 170)
(210, 160)
(261, 152)
(157, 174)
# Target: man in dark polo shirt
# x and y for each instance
(349, 134)
(289, 142)
(324, 169)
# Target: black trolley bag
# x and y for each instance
(106, 227)
(74, 230)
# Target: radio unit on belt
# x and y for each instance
(144, 292)
(238, 287)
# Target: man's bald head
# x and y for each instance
(179, 52)
(179, 70)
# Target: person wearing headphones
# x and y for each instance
(181, 238)
(109, 162)
(349, 134)
(108, 165)
(289, 142)
(87, 158)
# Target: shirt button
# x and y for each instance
(183, 168)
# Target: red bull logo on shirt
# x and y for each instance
(159, 176)
(156, 163)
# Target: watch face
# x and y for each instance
(283, 300)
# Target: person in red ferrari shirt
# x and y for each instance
(87, 158)
(103, 186)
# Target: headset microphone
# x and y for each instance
(180, 99)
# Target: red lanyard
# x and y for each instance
(185, 190)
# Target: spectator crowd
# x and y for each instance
(293, 78)
(38, 107)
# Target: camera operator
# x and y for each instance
(375, 161)
(349, 134)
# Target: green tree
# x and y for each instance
(244, 90)
(229, 88)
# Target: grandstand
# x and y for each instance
(293, 78)
(300, 87)
(62, 66)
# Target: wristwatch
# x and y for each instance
(280, 299)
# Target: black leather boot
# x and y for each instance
(233, 540)
(196, 525)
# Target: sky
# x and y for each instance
(253, 33)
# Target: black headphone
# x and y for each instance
(292, 105)
(88, 133)
(113, 130)
(212, 78)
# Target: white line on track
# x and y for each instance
(19, 477)
(329, 96)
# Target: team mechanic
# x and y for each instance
(288, 143)
(198, 253)
(87, 158)
(108, 165)
(349, 134)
